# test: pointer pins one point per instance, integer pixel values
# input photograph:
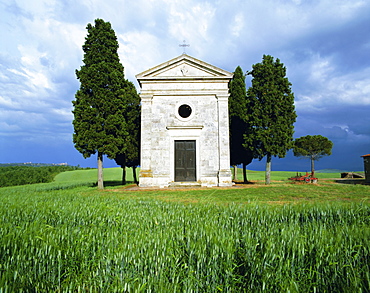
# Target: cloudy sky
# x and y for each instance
(325, 45)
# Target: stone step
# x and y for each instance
(185, 184)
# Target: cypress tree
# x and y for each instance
(238, 126)
(271, 112)
(99, 123)
(131, 156)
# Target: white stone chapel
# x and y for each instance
(184, 124)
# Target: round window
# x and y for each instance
(185, 111)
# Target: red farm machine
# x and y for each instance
(308, 178)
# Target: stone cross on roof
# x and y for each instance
(184, 45)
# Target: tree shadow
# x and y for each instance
(244, 183)
(113, 183)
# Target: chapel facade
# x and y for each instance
(184, 124)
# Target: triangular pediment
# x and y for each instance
(184, 66)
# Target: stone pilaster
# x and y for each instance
(145, 176)
(224, 173)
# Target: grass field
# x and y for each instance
(67, 236)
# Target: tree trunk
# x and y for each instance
(245, 179)
(268, 169)
(134, 173)
(100, 171)
(123, 175)
(312, 167)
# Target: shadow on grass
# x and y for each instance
(351, 181)
(112, 183)
(242, 182)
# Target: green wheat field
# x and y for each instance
(67, 236)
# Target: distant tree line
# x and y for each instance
(31, 164)
(21, 175)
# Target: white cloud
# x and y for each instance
(39, 7)
(351, 88)
(139, 50)
(62, 114)
(5, 102)
(320, 69)
(191, 21)
(237, 25)
(327, 86)
(35, 82)
(5, 127)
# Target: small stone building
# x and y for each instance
(367, 167)
(184, 124)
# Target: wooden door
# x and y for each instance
(185, 164)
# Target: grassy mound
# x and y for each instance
(111, 175)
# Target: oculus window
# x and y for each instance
(185, 111)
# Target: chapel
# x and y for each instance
(184, 124)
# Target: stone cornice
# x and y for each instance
(217, 93)
(184, 68)
(176, 127)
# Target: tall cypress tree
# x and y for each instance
(238, 126)
(99, 123)
(271, 112)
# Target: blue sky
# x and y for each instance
(325, 45)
